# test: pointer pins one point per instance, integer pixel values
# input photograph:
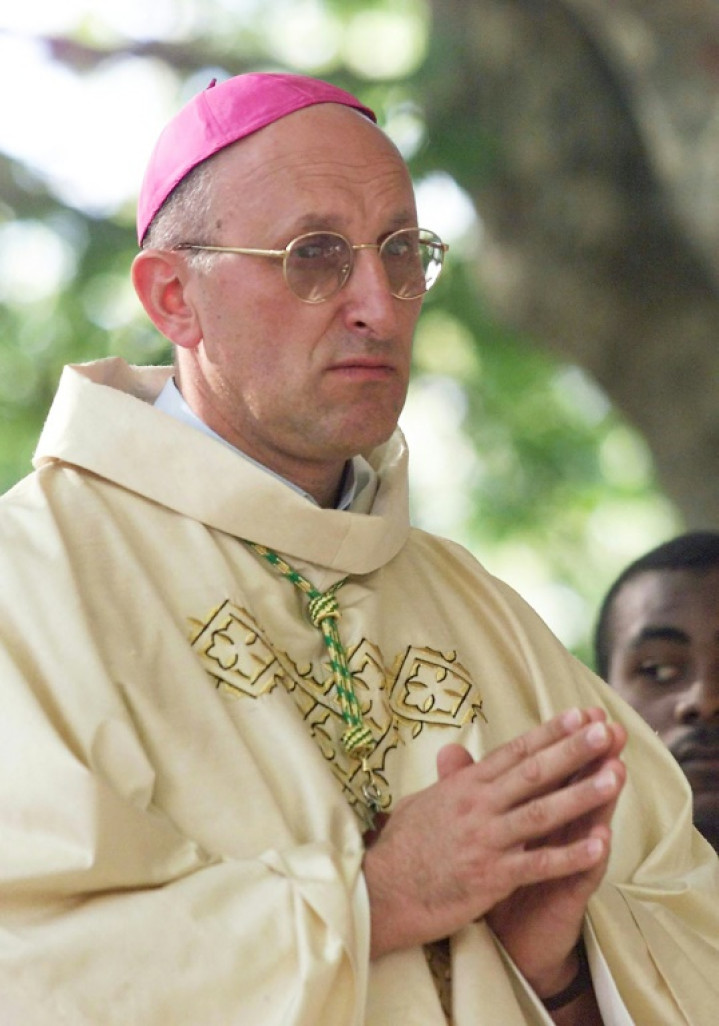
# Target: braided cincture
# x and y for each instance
(323, 606)
(358, 740)
(324, 613)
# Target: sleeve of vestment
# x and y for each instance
(109, 915)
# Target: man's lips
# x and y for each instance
(698, 756)
(364, 367)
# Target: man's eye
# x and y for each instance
(660, 673)
(320, 249)
(398, 249)
(310, 251)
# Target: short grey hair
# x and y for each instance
(185, 214)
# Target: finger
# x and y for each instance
(599, 817)
(537, 865)
(452, 758)
(553, 766)
(619, 738)
(586, 883)
(602, 815)
(510, 754)
(569, 805)
(619, 732)
(618, 741)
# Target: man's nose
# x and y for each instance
(700, 703)
(370, 307)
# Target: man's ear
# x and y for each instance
(160, 279)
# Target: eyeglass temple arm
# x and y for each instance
(278, 254)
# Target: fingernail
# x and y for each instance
(595, 847)
(606, 781)
(571, 719)
(597, 735)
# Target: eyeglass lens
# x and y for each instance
(318, 265)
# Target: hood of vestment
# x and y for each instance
(102, 421)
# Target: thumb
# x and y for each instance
(452, 758)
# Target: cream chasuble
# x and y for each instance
(181, 842)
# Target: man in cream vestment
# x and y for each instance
(185, 835)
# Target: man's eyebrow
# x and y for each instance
(660, 633)
(311, 221)
(404, 219)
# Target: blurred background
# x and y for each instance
(562, 417)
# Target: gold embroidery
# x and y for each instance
(433, 687)
(424, 687)
(235, 654)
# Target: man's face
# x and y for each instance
(302, 387)
(665, 663)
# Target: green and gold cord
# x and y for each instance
(324, 613)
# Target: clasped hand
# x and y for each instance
(521, 837)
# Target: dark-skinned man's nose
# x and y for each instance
(700, 703)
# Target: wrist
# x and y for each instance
(579, 983)
(554, 977)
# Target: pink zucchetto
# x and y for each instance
(219, 115)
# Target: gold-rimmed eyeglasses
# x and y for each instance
(316, 265)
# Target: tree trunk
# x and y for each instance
(591, 147)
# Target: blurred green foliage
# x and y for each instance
(527, 477)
